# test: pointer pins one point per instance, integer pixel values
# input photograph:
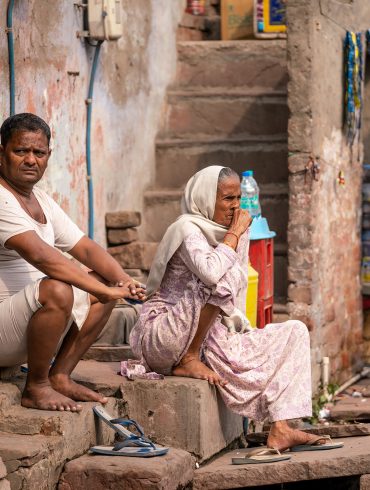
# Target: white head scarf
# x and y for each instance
(198, 206)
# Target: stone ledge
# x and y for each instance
(109, 353)
(351, 409)
(34, 444)
(365, 482)
(79, 429)
(183, 413)
(352, 459)
(119, 325)
(31, 458)
(2, 469)
(178, 412)
(169, 472)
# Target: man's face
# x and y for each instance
(24, 158)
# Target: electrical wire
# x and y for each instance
(9, 31)
(90, 188)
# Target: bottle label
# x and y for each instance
(249, 203)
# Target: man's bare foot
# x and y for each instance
(44, 397)
(283, 437)
(192, 367)
(66, 386)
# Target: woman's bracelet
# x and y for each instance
(234, 234)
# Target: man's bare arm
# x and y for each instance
(55, 265)
(99, 260)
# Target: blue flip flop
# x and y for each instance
(119, 426)
(123, 449)
(131, 443)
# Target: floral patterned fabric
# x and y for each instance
(268, 370)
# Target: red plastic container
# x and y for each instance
(261, 255)
(264, 312)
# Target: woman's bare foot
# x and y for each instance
(43, 397)
(192, 367)
(66, 386)
(283, 437)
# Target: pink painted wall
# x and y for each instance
(52, 76)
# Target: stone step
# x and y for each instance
(178, 412)
(352, 459)
(4, 482)
(177, 160)
(248, 63)
(31, 461)
(172, 471)
(34, 444)
(79, 429)
(166, 204)
(204, 114)
(9, 393)
(109, 353)
(119, 325)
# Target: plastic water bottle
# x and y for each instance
(250, 194)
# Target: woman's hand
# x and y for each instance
(240, 222)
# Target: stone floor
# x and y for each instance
(351, 460)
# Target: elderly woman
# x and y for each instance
(191, 325)
(48, 304)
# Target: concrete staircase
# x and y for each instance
(46, 450)
(34, 444)
(186, 414)
(228, 106)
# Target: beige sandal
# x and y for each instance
(315, 444)
(261, 455)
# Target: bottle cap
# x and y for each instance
(248, 173)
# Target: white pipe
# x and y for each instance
(325, 374)
(355, 378)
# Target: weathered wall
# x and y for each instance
(324, 227)
(52, 76)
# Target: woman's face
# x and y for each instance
(227, 200)
(24, 158)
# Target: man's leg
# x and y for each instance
(43, 335)
(74, 345)
(190, 364)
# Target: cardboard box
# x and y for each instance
(236, 19)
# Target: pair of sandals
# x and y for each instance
(132, 444)
(271, 455)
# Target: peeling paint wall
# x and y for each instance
(324, 225)
(52, 76)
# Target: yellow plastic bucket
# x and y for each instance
(252, 296)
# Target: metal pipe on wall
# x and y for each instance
(9, 32)
(90, 187)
